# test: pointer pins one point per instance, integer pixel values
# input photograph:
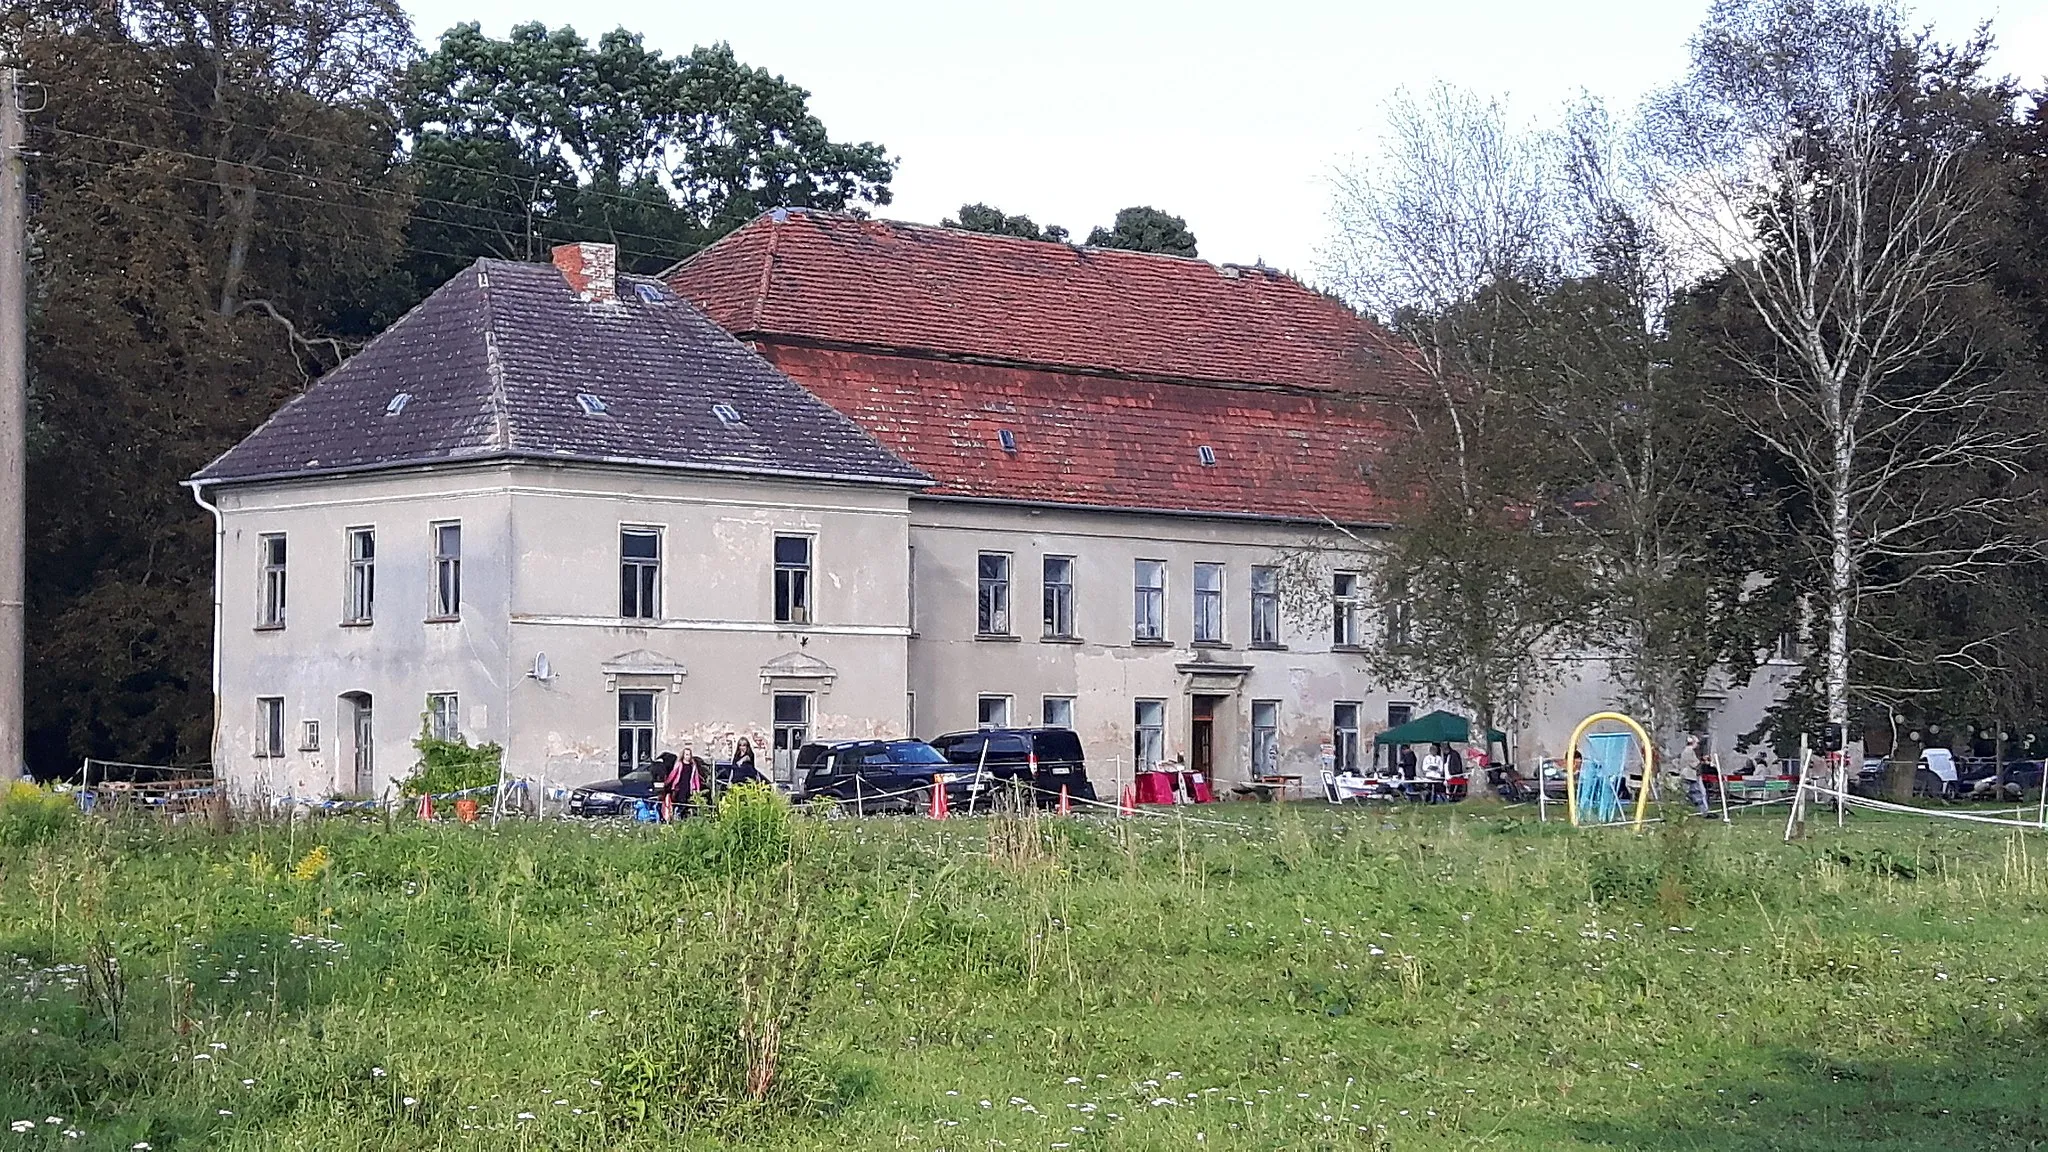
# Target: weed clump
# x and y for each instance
(29, 815)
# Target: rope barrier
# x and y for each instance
(1866, 802)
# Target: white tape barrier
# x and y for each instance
(1855, 801)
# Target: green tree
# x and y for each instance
(218, 214)
(1146, 230)
(542, 138)
(994, 221)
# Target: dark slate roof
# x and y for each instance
(494, 361)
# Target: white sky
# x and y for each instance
(1229, 114)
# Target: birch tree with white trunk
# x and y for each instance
(1792, 157)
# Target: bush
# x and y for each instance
(754, 823)
(29, 814)
(448, 766)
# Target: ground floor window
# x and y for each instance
(1150, 718)
(1265, 737)
(792, 731)
(441, 721)
(993, 712)
(1344, 737)
(270, 725)
(636, 731)
(1057, 712)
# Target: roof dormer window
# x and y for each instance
(590, 403)
(398, 404)
(727, 415)
(1008, 439)
(1207, 455)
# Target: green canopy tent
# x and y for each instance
(1439, 728)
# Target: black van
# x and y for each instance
(1049, 758)
(881, 775)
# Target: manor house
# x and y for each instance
(831, 477)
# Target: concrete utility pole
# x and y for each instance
(13, 414)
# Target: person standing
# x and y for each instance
(1689, 777)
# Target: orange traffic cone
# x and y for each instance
(1066, 803)
(938, 810)
(426, 807)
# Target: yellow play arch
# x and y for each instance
(1571, 763)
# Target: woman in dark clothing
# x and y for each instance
(743, 769)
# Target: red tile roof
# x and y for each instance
(827, 277)
(1106, 443)
(1110, 369)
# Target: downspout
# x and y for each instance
(219, 546)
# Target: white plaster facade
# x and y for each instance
(540, 576)
(894, 644)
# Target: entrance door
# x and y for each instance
(1202, 737)
(362, 743)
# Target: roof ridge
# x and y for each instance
(493, 367)
(776, 219)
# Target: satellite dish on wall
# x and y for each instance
(542, 670)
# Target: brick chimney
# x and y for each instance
(592, 270)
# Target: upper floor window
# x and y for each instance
(441, 717)
(1148, 608)
(639, 573)
(1786, 647)
(1265, 607)
(1344, 610)
(992, 594)
(1208, 603)
(270, 605)
(1400, 618)
(1059, 597)
(361, 601)
(448, 570)
(793, 579)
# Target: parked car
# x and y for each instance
(1048, 759)
(881, 775)
(1936, 775)
(623, 796)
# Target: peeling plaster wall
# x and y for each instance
(1106, 671)
(396, 660)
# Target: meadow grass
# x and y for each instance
(1297, 977)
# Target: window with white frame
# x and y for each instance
(270, 605)
(1400, 619)
(270, 726)
(793, 579)
(1208, 603)
(992, 712)
(1786, 648)
(309, 736)
(1058, 575)
(1344, 609)
(1265, 607)
(1148, 602)
(639, 573)
(442, 723)
(1344, 736)
(791, 731)
(360, 603)
(1265, 737)
(1149, 723)
(992, 594)
(448, 570)
(636, 731)
(1056, 711)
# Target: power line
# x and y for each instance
(389, 195)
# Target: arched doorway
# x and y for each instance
(358, 745)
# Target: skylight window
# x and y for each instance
(1008, 439)
(1207, 454)
(727, 415)
(591, 405)
(648, 293)
(397, 404)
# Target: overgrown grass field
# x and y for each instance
(1295, 978)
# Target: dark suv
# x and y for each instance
(880, 775)
(1046, 758)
